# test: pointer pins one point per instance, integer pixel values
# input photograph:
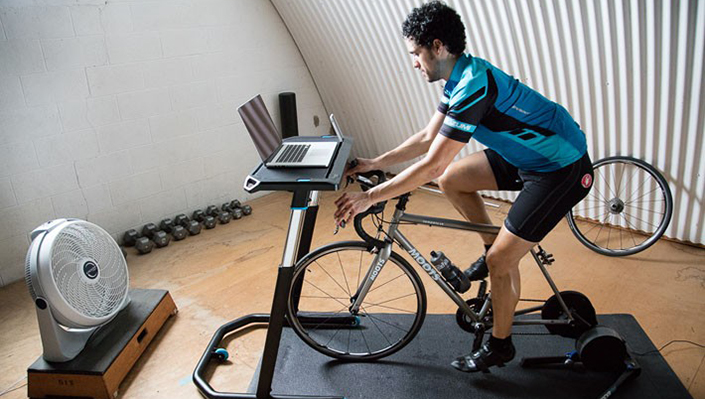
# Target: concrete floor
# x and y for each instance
(230, 271)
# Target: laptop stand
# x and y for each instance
(305, 184)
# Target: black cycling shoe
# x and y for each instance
(478, 270)
(483, 359)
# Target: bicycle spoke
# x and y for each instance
(386, 322)
(320, 297)
(345, 277)
(606, 181)
(329, 295)
(359, 271)
(637, 190)
(331, 277)
(376, 326)
(641, 220)
(647, 210)
(396, 299)
(630, 229)
(595, 224)
(619, 181)
(642, 196)
(387, 282)
(373, 305)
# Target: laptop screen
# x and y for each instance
(260, 126)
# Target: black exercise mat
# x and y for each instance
(422, 369)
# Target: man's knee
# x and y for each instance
(500, 263)
(449, 180)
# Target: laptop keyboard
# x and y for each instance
(293, 153)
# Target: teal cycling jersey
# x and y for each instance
(528, 130)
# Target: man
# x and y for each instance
(533, 146)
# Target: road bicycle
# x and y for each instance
(627, 210)
(361, 300)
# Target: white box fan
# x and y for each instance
(78, 279)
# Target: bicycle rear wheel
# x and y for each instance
(627, 210)
(390, 316)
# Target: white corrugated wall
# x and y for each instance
(629, 71)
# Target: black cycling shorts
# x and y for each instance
(545, 197)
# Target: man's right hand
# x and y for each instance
(359, 165)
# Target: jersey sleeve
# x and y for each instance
(467, 105)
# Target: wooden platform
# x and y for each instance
(109, 355)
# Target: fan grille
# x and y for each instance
(73, 245)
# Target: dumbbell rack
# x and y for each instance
(305, 183)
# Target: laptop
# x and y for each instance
(316, 153)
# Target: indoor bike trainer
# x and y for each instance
(305, 184)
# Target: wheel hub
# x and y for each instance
(616, 205)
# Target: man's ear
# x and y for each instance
(437, 46)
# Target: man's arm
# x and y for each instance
(413, 147)
(441, 153)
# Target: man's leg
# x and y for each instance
(503, 260)
(460, 183)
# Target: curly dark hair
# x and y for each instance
(435, 20)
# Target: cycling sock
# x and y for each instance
(501, 345)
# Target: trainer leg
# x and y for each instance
(460, 183)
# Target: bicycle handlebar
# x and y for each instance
(364, 179)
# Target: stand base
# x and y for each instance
(108, 356)
(210, 354)
(631, 368)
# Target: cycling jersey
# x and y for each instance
(524, 127)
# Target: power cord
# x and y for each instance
(669, 343)
(12, 387)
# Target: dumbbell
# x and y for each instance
(161, 239)
(246, 209)
(209, 222)
(192, 226)
(235, 212)
(129, 239)
(198, 215)
(149, 229)
(212, 210)
(225, 217)
(179, 233)
(144, 245)
(167, 225)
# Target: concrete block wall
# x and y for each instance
(124, 112)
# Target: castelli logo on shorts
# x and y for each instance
(586, 181)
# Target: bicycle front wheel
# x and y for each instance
(324, 284)
(627, 210)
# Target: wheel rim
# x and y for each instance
(389, 316)
(627, 210)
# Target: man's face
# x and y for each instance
(424, 60)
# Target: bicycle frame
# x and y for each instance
(393, 232)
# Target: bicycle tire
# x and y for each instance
(374, 335)
(612, 206)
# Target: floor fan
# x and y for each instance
(78, 279)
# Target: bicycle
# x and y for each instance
(361, 300)
(630, 199)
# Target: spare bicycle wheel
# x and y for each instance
(584, 316)
(628, 209)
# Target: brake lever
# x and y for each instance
(338, 226)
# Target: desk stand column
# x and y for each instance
(281, 294)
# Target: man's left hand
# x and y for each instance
(349, 205)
